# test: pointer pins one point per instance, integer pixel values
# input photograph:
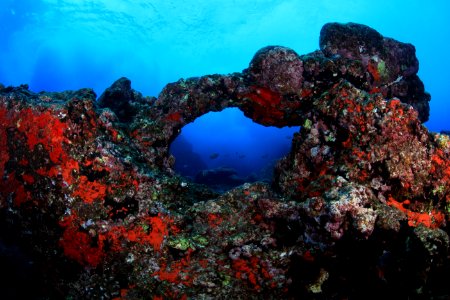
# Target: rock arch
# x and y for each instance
(279, 88)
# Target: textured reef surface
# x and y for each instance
(90, 207)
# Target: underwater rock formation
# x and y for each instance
(358, 209)
(123, 100)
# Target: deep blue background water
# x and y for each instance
(57, 45)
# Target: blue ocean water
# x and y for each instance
(57, 45)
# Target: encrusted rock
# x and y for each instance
(278, 68)
(390, 66)
(343, 207)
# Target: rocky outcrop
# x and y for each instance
(358, 209)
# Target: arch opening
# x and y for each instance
(226, 149)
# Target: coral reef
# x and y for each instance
(358, 209)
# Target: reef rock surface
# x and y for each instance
(90, 207)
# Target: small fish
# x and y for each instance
(214, 156)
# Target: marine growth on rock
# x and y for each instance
(358, 209)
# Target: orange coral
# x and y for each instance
(432, 219)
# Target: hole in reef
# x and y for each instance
(226, 149)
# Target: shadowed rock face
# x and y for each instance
(358, 209)
(122, 100)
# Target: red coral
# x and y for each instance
(214, 220)
(177, 272)
(159, 231)
(28, 178)
(78, 245)
(372, 67)
(151, 231)
(440, 170)
(175, 117)
(266, 106)
(432, 219)
(253, 270)
(89, 191)
(265, 97)
(89, 251)
(39, 128)
(43, 128)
